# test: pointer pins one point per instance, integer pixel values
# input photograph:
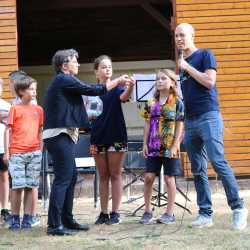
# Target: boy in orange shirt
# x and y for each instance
(14, 77)
(23, 135)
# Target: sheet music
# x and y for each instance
(144, 82)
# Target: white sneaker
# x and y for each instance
(35, 221)
(240, 218)
(202, 221)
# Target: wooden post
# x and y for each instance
(8, 42)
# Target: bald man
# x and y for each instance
(204, 128)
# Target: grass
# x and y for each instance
(131, 235)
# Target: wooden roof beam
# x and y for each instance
(73, 4)
(157, 15)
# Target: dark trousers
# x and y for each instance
(62, 150)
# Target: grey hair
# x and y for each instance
(61, 57)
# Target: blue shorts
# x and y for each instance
(172, 166)
(25, 169)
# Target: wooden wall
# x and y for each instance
(8, 42)
(224, 26)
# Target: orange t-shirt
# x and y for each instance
(25, 122)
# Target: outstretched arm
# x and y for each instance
(128, 91)
(76, 86)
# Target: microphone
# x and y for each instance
(181, 72)
(181, 53)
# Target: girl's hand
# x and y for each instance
(122, 80)
(145, 150)
(130, 83)
(174, 151)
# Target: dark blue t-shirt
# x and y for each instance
(197, 98)
(110, 126)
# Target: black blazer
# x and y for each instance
(63, 104)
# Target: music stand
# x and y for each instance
(135, 165)
(160, 198)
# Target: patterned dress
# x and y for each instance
(162, 120)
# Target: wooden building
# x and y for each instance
(137, 33)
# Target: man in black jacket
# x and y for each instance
(64, 115)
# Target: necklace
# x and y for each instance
(163, 100)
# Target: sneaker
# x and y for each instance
(114, 218)
(5, 213)
(166, 219)
(102, 219)
(202, 221)
(35, 220)
(26, 223)
(146, 218)
(15, 224)
(6, 217)
(240, 218)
